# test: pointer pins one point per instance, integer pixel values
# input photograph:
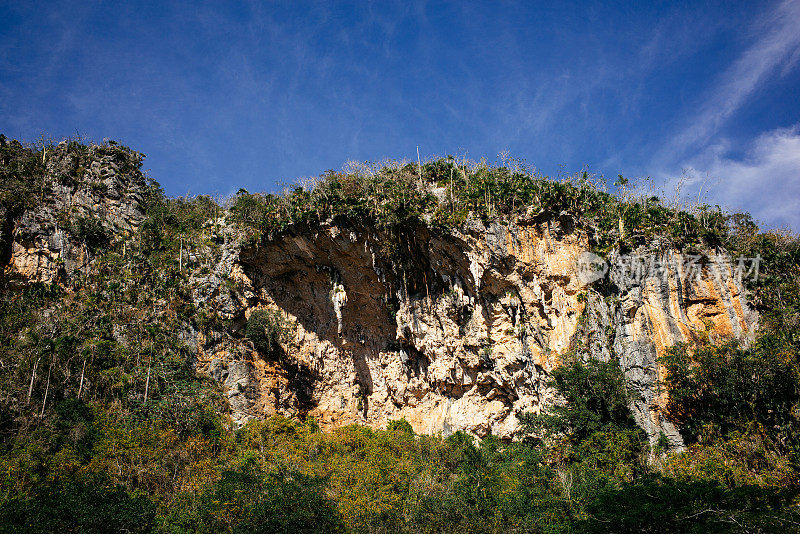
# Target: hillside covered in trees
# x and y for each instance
(197, 365)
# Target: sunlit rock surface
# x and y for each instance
(452, 330)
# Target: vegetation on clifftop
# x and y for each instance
(444, 193)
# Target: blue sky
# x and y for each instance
(254, 94)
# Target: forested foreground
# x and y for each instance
(95, 467)
(106, 427)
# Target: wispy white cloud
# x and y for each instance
(777, 45)
(766, 182)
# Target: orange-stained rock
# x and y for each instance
(464, 334)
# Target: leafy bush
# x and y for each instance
(400, 425)
(248, 500)
(267, 329)
(22, 176)
(733, 388)
(659, 504)
(90, 230)
(595, 398)
(79, 505)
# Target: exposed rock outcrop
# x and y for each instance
(465, 333)
(452, 330)
(91, 195)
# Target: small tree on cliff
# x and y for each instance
(267, 329)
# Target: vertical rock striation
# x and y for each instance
(462, 332)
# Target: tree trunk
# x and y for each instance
(46, 389)
(83, 370)
(33, 377)
(147, 384)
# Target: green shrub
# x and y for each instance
(659, 504)
(90, 230)
(267, 329)
(22, 176)
(595, 398)
(400, 425)
(248, 500)
(733, 388)
(82, 505)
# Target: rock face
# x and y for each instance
(464, 333)
(454, 330)
(659, 307)
(462, 339)
(55, 238)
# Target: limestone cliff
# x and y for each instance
(453, 329)
(90, 195)
(464, 338)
